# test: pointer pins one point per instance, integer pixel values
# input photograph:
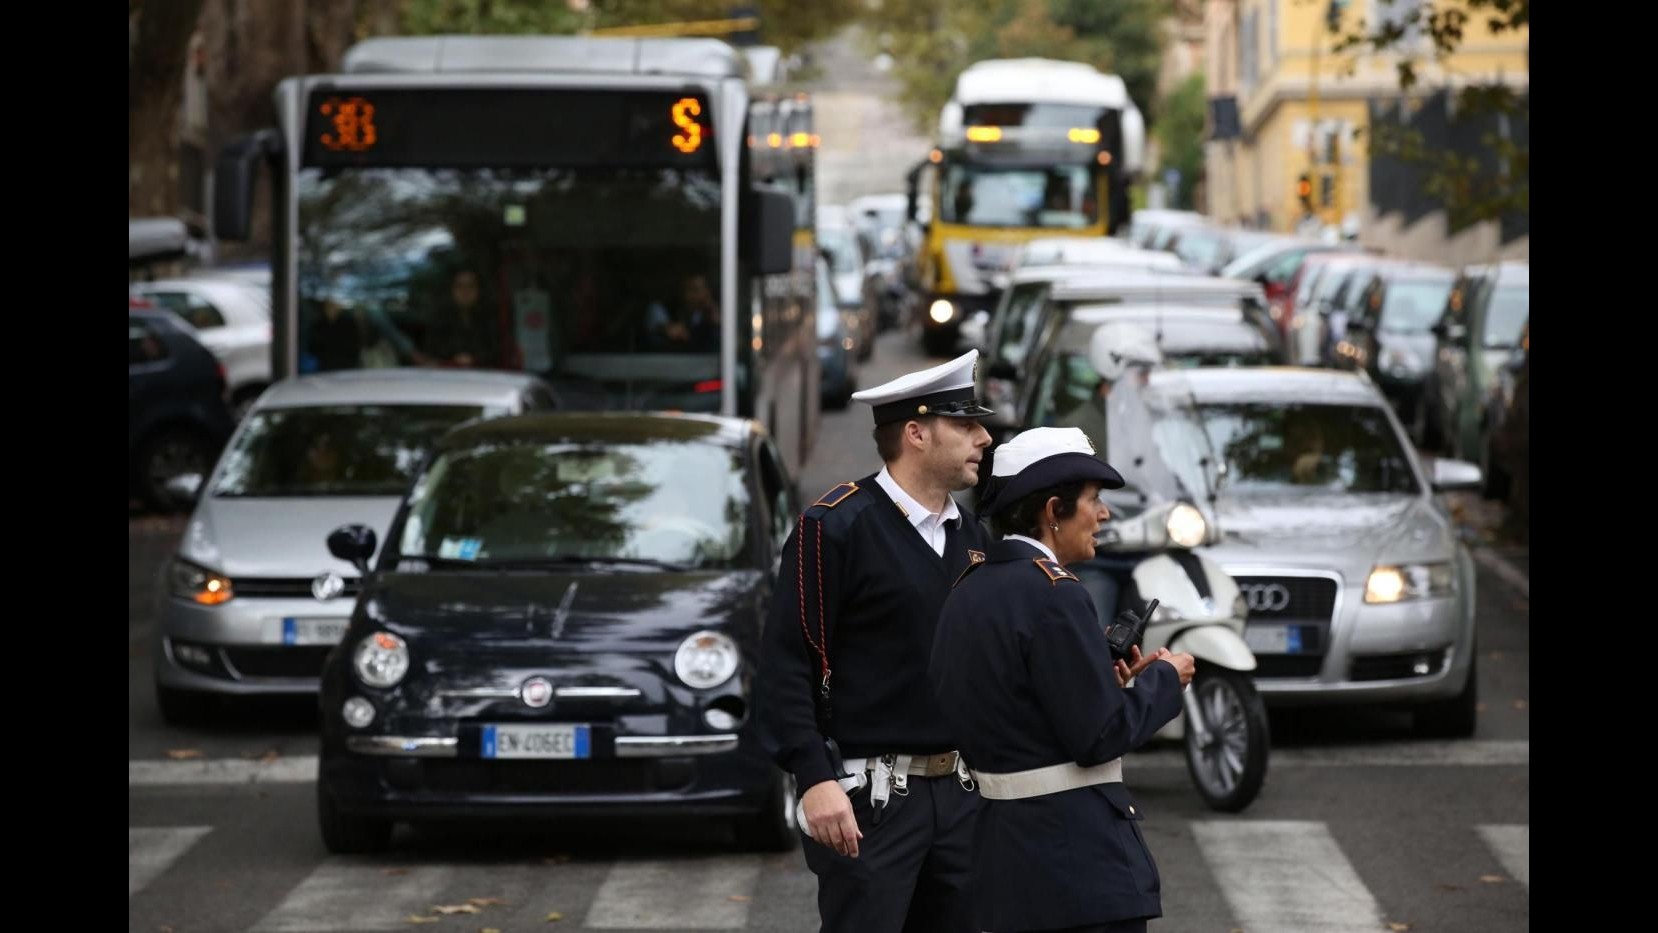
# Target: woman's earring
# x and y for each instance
(1053, 527)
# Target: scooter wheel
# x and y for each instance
(1231, 765)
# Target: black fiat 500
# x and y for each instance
(563, 620)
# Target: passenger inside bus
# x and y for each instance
(690, 324)
(462, 332)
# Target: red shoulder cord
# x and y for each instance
(821, 643)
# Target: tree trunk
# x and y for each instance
(155, 87)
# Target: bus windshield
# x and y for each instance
(604, 278)
(1060, 196)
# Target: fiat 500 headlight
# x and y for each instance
(706, 660)
(381, 659)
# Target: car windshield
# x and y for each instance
(1298, 448)
(1510, 307)
(682, 504)
(335, 450)
(1413, 306)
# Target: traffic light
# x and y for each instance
(1304, 191)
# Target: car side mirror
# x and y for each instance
(353, 544)
(1450, 475)
(184, 488)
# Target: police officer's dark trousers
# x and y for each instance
(914, 868)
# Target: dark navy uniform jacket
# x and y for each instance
(1022, 669)
(881, 590)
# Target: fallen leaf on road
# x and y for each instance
(415, 918)
(180, 754)
(554, 917)
(489, 930)
(740, 897)
(164, 930)
(555, 859)
(1398, 927)
(485, 901)
(1494, 655)
(1519, 704)
(1493, 879)
(396, 871)
(1449, 887)
(1479, 707)
(265, 757)
(455, 909)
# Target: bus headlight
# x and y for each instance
(1186, 526)
(705, 660)
(942, 311)
(381, 660)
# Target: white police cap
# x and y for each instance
(1042, 458)
(946, 389)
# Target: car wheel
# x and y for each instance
(1230, 769)
(771, 828)
(1454, 718)
(345, 834)
(169, 453)
(183, 707)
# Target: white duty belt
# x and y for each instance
(1017, 785)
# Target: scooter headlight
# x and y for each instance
(1186, 526)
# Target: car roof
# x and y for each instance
(399, 386)
(1149, 285)
(1507, 272)
(1177, 330)
(1271, 384)
(629, 427)
(1396, 271)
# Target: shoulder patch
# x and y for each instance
(975, 557)
(972, 565)
(837, 495)
(1054, 569)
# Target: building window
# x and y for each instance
(1406, 14)
(1248, 52)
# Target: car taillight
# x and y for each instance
(707, 385)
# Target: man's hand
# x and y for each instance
(829, 818)
(1184, 663)
(1130, 669)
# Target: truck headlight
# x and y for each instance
(942, 311)
(705, 660)
(1186, 526)
(381, 659)
(198, 584)
(1391, 583)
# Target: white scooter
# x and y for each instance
(1200, 611)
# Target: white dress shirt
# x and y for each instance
(930, 525)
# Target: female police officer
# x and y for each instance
(1022, 669)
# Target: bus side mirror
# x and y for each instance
(771, 232)
(233, 177)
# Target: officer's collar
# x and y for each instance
(1012, 549)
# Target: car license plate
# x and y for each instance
(300, 631)
(553, 740)
(1273, 639)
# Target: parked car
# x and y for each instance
(253, 600)
(837, 345)
(1274, 263)
(563, 620)
(177, 416)
(1480, 334)
(1358, 587)
(232, 318)
(1391, 337)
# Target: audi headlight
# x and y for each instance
(381, 659)
(705, 660)
(1391, 583)
(1186, 526)
(198, 584)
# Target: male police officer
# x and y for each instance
(842, 700)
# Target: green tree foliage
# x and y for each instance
(1474, 187)
(933, 41)
(1180, 133)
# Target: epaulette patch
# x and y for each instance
(972, 565)
(837, 495)
(975, 557)
(1055, 571)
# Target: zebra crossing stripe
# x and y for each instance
(342, 895)
(1288, 876)
(151, 850)
(1512, 845)
(685, 894)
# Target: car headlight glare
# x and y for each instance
(381, 659)
(1186, 526)
(198, 584)
(941, 311)
(1391, 583)
(706, 660)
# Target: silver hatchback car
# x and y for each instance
(1358, 588)
(253, 601)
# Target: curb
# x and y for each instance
(1504, 570)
